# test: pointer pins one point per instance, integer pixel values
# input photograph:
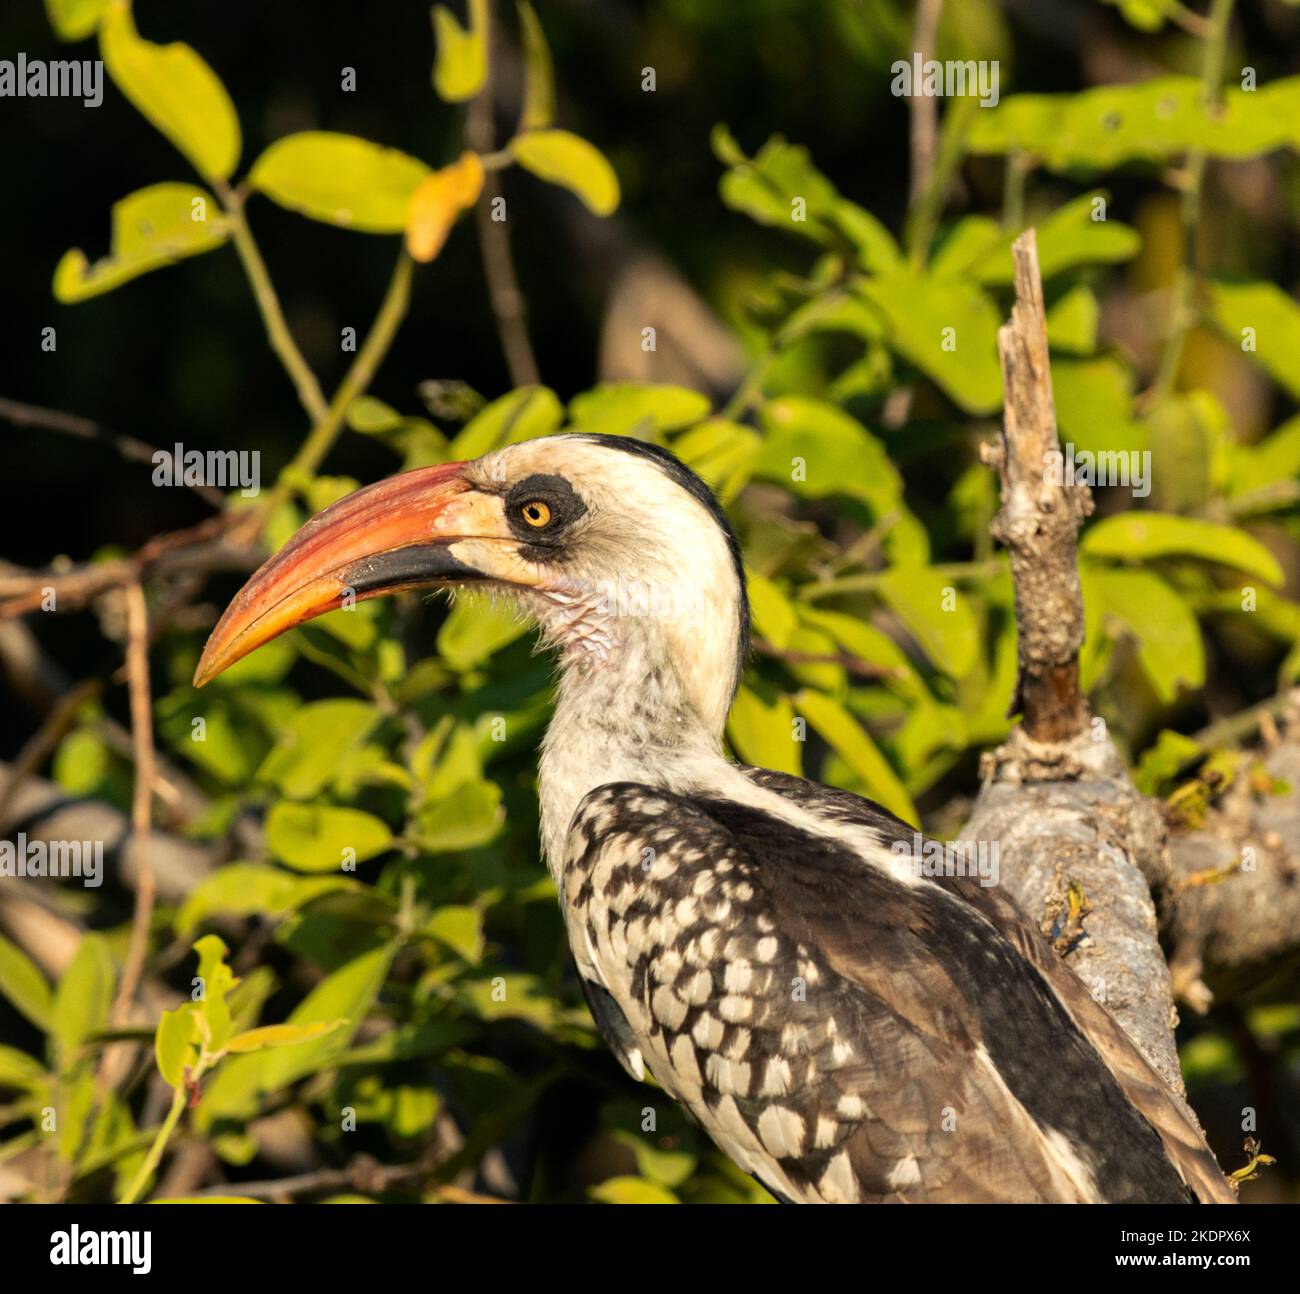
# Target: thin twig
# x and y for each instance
(364, 1175)
(1237, 727)
(130, 448)
(137, 657)
(1188, 276)
(924, 108)
(213, 544)
(146, 888)
(358, 377)
(508, 306)
(42, 743)
(277, 329)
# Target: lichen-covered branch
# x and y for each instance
(1229, 887)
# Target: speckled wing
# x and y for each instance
(1183, 1142)
(841, 1034)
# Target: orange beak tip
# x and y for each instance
(375, 540)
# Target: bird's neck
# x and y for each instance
(633, 710)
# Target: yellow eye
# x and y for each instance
(536, 513)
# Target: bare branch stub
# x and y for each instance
(1039, 519)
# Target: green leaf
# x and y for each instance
(1072, 321)
(877, 250)
(948, 328)
(340, 179)
(845, 736)
(460, 68)
(781, 187)
(470, 816)
(774, 616)
(639, 409)
(1192, 448)
(175, 1041)
(1168, 638)
(19, 1070)
(75, 1101)
(83, 998)
(1069, 237)
(281, 1035)
(1274, 458)
(868, 644)
(1264, 322)
(315, 744)
(539, 76)
(83, 763)
(1142, 536)
(372, 417)
(565, 159)
(722, 453)
(523, 414)
(460, 928)
(1094, 405)
(252, 889)
(151, 228)
(1161, 763)
(632, 1190)
(75, 19)
(762, 730)
(512, 997)
(212, 1013)
(1150, 121)
(815, 449)
(1145, 15)
(935, 614)
(176, 91)
(348, 995)
(666, 1168)
(476, 628)
(24, 985)
(322, 838)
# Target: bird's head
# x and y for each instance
(618, 550)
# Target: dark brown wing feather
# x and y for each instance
(1183, 1141)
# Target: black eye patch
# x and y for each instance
(557, 497)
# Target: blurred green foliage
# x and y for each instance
(402, 963)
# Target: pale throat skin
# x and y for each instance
(646, 620)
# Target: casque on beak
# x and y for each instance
(395, 534)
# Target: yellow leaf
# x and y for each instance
(174, 1042)
(75, 19)
(340, 179)
(437, 201)
(279, 1035)
(567, 159)
(153, 227)
(539, 78)
(177, 91)
(461, 65)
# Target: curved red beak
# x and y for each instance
(395, 534)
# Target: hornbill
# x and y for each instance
(844, 1027)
